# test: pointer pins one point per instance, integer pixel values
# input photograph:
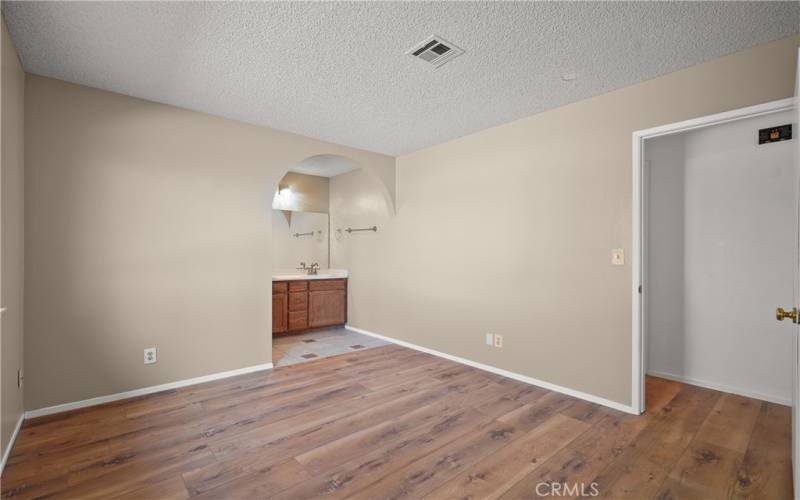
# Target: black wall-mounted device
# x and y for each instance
(775, 134)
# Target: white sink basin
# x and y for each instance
(293, 275)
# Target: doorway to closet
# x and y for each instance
(720, 245)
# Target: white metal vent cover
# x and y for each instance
(435, 50)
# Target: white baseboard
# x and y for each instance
(10, 445)
(144, 391)
(505, 373)
(723, 388)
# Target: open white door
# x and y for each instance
(796, 391)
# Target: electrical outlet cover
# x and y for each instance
(489, 339)
(150, 355)
(498, 341)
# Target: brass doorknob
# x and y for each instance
(780, 314)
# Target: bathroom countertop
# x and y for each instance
(296, 275)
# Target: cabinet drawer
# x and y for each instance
(278, 287)
(296, 286)
(298, 320)
(298, 301)
(326, 285)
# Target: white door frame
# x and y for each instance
(639, 196)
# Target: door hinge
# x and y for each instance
(640, 288)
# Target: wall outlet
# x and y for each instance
(498, 341)
(150, 356)
(489, 339)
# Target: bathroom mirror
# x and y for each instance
(299, 237)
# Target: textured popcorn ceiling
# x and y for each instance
(338, 71)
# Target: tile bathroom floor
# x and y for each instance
(299, 348)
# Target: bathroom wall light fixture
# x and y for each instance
(283, 198)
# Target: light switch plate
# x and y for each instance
(618, 257)
(489, 339)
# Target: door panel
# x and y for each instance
(279, 312)
(326, 307)
(796, 381)
(298, 320)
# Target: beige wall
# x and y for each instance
(510, 230)
(310, 193)
(147, 225)
(356, 201)
(12, 238)
(288, 250)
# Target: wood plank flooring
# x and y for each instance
(393, 423)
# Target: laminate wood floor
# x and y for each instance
(389, 422)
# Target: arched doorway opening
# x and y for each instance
(318, 207)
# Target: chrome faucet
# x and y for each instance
(312, 269)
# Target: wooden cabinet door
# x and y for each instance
(280, 312)
(298, 301)
(326, 307)
(298, 320)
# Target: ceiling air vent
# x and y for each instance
(435, 50)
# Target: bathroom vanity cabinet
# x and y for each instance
(299, 305)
